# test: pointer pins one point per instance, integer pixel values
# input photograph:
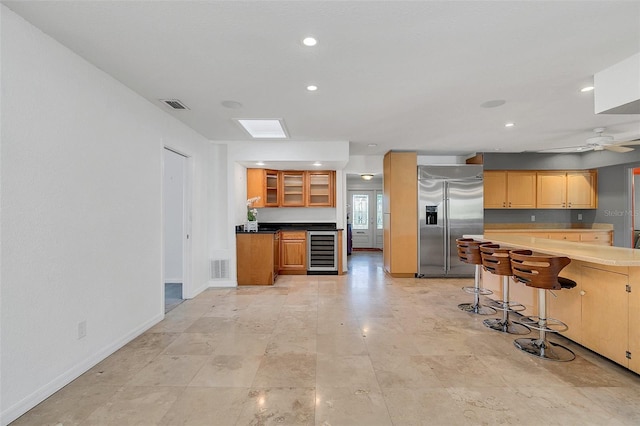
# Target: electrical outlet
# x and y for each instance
(579, 216)
(533, 218)
(82, 329)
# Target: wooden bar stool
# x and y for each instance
(541, 272)
(495, 259)
(469, 252)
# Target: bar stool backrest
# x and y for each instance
(469, 250)
(537, 271)
(495, 259)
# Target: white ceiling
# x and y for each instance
(402, 75)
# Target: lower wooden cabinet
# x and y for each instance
(256, 258)
(293, 253)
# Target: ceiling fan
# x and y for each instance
(599, 142)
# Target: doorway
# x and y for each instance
(365, 211)
(176, 214)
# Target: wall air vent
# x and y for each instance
(174, 104)
(219, 269)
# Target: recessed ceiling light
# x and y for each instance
(371, 145)
(260, 163)
(493, 104)
(231, 104)
(312, 88)
(587, 89)
(509, 124)
(264, 128)
(309, 41)
(317, 164)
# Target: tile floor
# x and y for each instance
(360, 349)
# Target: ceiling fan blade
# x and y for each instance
(566, 149)
(628, 143)
(617, 148)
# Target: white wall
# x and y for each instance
(81, 173)
(173, 201)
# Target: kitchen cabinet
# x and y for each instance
(263, 183)
(255, 258)
(588, 236)
(276, 253)
(293, 252)
(400, 214)
(320, 190)
(292, 188)
(567, 190)
(505, 189)
(634, 321)
(566, 304)
(288, 188)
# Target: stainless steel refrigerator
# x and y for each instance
(450, 204)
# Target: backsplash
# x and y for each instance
(297, 214)
(541, 216)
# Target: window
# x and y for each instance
(360, 204)
(379, 211)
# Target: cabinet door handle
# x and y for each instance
(509, 203)
(582, 292)
(504, 204)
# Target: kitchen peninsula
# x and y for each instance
(603, 310)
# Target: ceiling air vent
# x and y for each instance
(174, 103)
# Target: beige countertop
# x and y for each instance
(603, 255)
(547, 230)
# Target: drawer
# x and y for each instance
(566, 236)
(596, 237)
(294, 235)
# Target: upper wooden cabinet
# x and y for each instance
(292, 189)
(320, 188)
(509, 189)
(531, 189)
(287, 188)
(567, 190)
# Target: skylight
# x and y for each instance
(264, 128)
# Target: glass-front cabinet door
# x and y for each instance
(271, 189)
(293, 186)
(320, 189)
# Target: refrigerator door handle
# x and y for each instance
(445, 215)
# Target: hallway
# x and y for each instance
(358, 349)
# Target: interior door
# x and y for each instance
(363, 212)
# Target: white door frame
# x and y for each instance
(371, 237)
(187, 209)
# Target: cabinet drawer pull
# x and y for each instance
(582, 292)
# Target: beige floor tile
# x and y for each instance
(405, 371)
(452, 370)
(194, 344)
(346, 371)
(135, 406)
(218, 325)
(341, 344)
(169, 370)
(278, 406)
(69, 406)
(301, 342)
(227, 371)
(198, 406)
(351, 406)
(286, 370)
(242, 344)
(423, 406)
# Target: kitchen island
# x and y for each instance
(603, 310)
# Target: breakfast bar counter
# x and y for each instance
(603, 310)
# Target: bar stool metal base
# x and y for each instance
(476, 308)
(545, 349)
(506, 326)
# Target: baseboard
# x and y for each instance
(222, 284)
(30, 401)
(196, 291)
